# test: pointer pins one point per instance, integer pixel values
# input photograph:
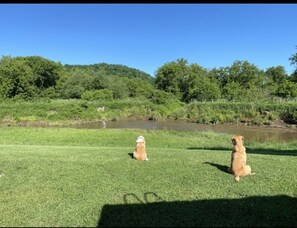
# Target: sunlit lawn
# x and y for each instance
(79, 177)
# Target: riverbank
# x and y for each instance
(252, 133)
(87, 124)
(75, 112)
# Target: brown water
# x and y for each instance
(254, 133)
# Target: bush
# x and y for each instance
(101, 94)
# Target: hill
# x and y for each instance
(111, 70)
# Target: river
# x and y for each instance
(254, 133)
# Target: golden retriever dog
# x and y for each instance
(238, 159)
(140, 150)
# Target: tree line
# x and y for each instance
(34, 77)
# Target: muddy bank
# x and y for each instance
(278, 131)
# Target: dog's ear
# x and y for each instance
(233, 140)
(242, 138)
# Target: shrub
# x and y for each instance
(101, 94)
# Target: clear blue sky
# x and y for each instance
(146, 36)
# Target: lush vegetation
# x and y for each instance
(33, 77)
(61, 177)
(77, 111)
(35, 89)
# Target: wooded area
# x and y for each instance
(33, 77)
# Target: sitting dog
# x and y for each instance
(140, 151)
(238, 159)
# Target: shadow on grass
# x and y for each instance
(223, 168)
(132, 198)
(251, 150)
(255, 211)
(130, 154)
(272, 151)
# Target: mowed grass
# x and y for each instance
(63, 177)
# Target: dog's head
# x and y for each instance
(237, 140)
(140, 139)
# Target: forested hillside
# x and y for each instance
(34, 77)
(110, 70)
(33, 88)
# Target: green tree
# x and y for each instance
(293, 77)
(286, 89)
(276, 74)
(46, 72)
(75, 84)
(162, 97)
(187, 82)
(16, 79)
(139, 88)
(255, 93)
(241, 81)
(246, 74)
(221, 75)
(119, 87)
(199, 86)
(293, 61)
(28, 77)
(170, 76)
(233, 91)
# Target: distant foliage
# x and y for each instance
(27, 77)
(110, 70)
(34, 77)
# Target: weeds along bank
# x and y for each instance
(56, 112)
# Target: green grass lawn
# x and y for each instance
(82, 177)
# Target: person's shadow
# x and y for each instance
(254, 211)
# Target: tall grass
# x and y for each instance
(57, 112)
(79, 177)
